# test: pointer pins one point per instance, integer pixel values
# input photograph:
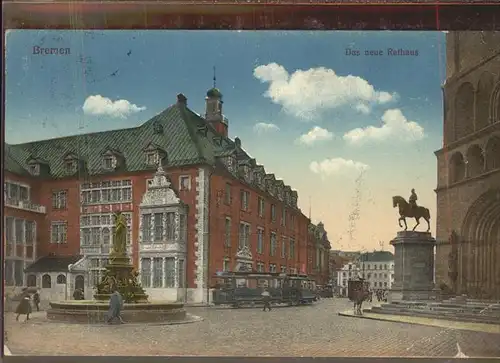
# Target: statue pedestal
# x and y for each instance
(413, 266)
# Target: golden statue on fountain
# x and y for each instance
(119, 272)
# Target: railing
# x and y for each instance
(25, 205)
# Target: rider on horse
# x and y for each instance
(413, 200)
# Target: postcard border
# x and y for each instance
(269, 15)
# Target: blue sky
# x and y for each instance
(311, 114)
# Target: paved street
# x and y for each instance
(296, 331)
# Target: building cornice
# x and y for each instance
(469, 138)
(463, 73)
(467, 181)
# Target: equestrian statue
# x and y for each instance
(410, 209)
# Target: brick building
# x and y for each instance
(318, 264)
(232, 214)
(468, 188)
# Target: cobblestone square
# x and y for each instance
(315, 330)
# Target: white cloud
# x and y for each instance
(262, 127)
(332, 166)
(102, 106)
(306, 93)
(394, 126)
(364, 109)
(314, 135)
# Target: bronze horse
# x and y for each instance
(406, 211)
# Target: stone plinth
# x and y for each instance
(413, 266)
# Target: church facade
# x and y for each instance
(211, 208)
(468, 188)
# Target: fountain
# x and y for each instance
(120, 275)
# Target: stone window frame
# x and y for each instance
(34, 169)
(182, 186)
(60, 199)
(105, 226)
(152, 157)
(291, 251)
(157, 281)
(273, 212)
(109, 162)
(261, 206)
(227, 232)
(226, 264)
(118, 188)
(244, 200)
(61, 279)
(260, 240)
(283, 247)
(9, 184)
(228, 198)
(272, 243)
(244, 239)
(46, 281)
(284, 215)
(62, 235)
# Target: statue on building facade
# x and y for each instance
(411, 210)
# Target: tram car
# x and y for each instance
(245, 288)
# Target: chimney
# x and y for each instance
(181, 99)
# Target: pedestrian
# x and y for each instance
(24, 307)
(266, 299)
(36, 300)
(78, 294)
(115, 307)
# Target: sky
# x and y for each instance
(348, 119)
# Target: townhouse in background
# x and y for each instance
(376, 267)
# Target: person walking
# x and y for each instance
(24, 307)
(266, 299)
(36, 300)
(115, 307)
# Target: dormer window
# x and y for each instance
(70, 163)
(158, 128)
(109, 162)
(152, 158)
(154, 155)
(231, 163)
(70, 166)
(34, 169)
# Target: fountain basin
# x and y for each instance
(95, 312)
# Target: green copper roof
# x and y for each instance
(214, 92)
(180, 138)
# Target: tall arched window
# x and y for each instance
(46, 281)
(483, 99)
(61, 279)
(475, 161)
(464, 111)
(492, 153)
(457, 168)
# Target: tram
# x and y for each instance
(245, 288)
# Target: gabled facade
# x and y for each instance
(237, 215)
